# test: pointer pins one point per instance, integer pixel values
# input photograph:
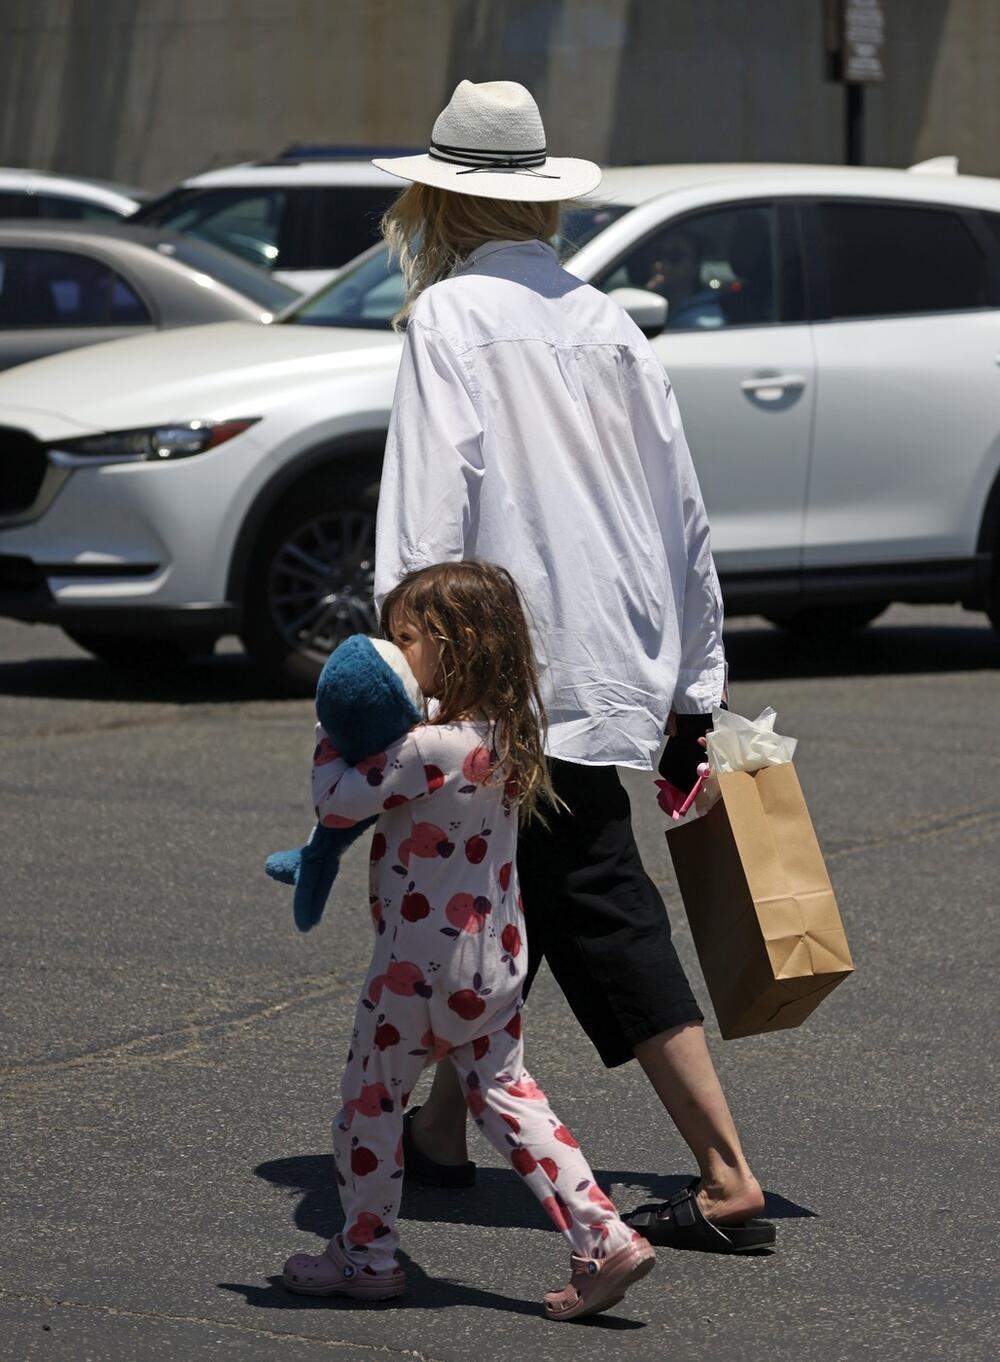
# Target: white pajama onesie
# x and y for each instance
(445, 979)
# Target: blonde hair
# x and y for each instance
(475, 613)
(431, 230)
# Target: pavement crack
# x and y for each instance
(280, 1335)
(99, 727)
(157, 1047)
(925, 830)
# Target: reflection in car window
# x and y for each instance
(715, 269)
(247, 222)
(62, 288)
(891, 260)
(369, 293)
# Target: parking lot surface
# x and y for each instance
(172, 1048)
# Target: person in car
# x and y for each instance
(671, 265)
(533, 427)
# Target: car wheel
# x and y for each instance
(134, 653)
(311, 581)
(829, 621)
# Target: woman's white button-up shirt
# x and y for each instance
(533, 427)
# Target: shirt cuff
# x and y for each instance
(699, 691)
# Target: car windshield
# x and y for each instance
(369, 293)
(228, 269)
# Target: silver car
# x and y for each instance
(65, 285)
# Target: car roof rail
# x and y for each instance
(937, 165)
(315, 151)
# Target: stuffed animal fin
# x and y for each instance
(367, 697)
(283, 866)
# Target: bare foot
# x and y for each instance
(731, 1203)
(444, 1144)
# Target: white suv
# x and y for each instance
(303, 215)
(61, 198)
(833, 336)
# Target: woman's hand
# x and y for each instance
(670, 729)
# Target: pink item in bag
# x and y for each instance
(675, 802)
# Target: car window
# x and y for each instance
(15, 203)
(340, 222)
(370, 292)
(716, 269)
(228, 269)
(248, 222)
(62, 208)
(579, 225)
(992, 223)
(896, 259)
(62, 288)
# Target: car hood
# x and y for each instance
(209, 372)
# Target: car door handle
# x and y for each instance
(772, 386)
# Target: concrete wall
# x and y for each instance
(147, 91)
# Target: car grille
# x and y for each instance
(22, 469)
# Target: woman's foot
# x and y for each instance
(425, 1168)
(681, 1223)
(597, 1284)
(732, 1202)
(333, 1273)
(440, 1124)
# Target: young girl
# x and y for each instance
(449, 959)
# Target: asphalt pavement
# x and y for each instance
(172, 1047)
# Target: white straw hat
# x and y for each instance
(490, 142)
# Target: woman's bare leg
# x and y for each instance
(678, 1065)
(439, 1125)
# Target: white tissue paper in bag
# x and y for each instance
(738, 744)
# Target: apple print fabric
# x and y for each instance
(443, 885)
(445, 980)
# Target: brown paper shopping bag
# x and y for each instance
(759, 900)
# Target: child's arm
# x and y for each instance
(344, 795)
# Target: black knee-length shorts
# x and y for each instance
(596, 917)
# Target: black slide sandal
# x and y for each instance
(426, 1172)
(680, 1223)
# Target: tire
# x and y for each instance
(829, 622)
(993, 591)
(310, 581)
(137, 654)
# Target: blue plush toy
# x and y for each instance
(366, 699)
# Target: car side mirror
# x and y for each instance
(647, 309)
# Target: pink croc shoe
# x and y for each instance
(597, 1284)
(334, 1274)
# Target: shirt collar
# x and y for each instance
(491, 247)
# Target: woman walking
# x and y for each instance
(533, 427)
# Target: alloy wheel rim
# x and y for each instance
(321, 582)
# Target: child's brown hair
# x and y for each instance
(475, 613)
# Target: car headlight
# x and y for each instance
(179, 440)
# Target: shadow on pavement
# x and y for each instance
(209, 680)
(755, 654)
(767, 654)
(499, 1199)
(425, 1293)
